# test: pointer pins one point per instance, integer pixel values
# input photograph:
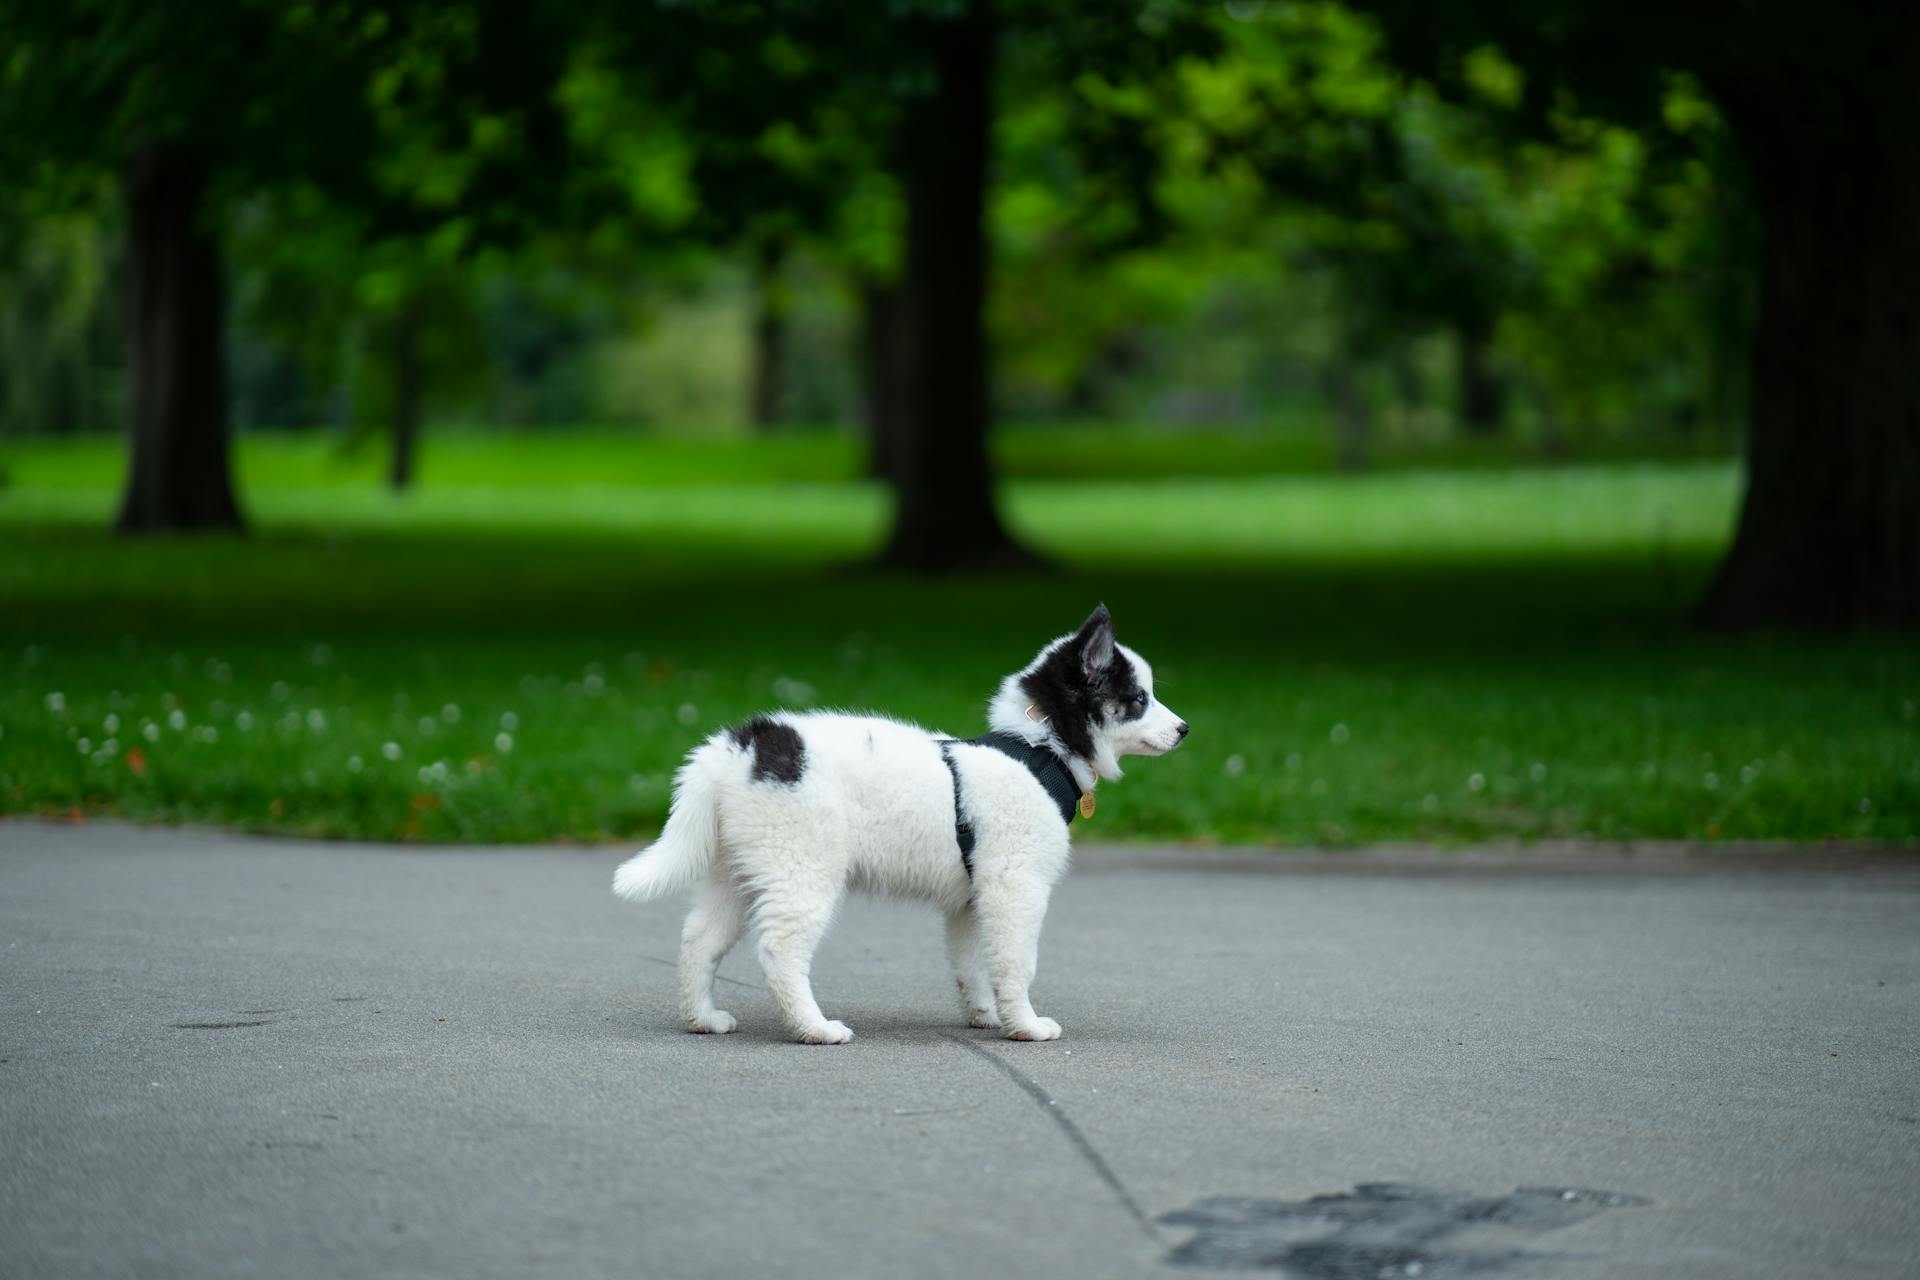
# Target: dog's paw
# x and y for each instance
(1038, 1029)
(827, 1033)
(985, 1019)
(717, 1023)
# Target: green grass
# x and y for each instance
(1451, 654)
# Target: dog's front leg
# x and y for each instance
(1011, 912)
(969, 970)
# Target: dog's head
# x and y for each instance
(1093, 696)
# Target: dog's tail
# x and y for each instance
(685, 848)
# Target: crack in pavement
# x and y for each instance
(718, 977)
(1088, 1152)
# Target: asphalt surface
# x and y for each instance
(231, 1057)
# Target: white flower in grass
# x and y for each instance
(150, 731)
(1746, 773)
(353, 764)
(450, 713)
(111, 724)
(1235, 766)
(85, 745)
(176, 720)
(280, 691)
(1866, 806)
(391, 751)
(1319, 787)
(243, 721)
(428, 724)
(1294, 761)
(1476, 781)
(1339, 733)
(1711, 782)
(503, 742)
(594, 685)
(57, 702)
(207, 733)
(509, 721)
(317, 720)
(1538, 773)
(110, 748)
(687, 713)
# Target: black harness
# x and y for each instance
(1044, 765)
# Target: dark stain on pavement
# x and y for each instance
(1383, 1231)
(219, 1026)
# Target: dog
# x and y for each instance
(773, 821)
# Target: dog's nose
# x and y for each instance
(1183, 730)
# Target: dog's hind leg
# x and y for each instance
(713, 926)
(1011, 913)
(969, 969)
(790, 919)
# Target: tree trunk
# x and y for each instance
(1352, 421)
(1483, 396)
(769, 335)
(407, 392)
(887, 366)
(179, 476)
(945, 517)
(1829, 532)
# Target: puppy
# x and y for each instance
(772, 822)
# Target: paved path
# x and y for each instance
(228, 1057)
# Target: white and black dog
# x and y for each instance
(773, 821)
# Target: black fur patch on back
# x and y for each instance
(1072, 702)
(778, 753)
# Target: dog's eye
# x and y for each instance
(1140, 699)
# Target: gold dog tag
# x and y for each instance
(1086, 804)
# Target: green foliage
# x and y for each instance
(1200, 215)
(60, 358)
(1426, 654)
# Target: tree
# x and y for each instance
(98, 86)
(946, 516)
(412, 118)
(1823, 104)
(797, 114)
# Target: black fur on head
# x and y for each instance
(1083, 681)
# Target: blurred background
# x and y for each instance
(427, 421)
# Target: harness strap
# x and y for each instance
(962, 829)
(1046, 768)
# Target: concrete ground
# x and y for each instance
(223, 1056)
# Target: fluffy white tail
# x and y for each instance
(685, 848)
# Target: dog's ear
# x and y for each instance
(1094, 643)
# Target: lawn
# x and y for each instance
(523, 648)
